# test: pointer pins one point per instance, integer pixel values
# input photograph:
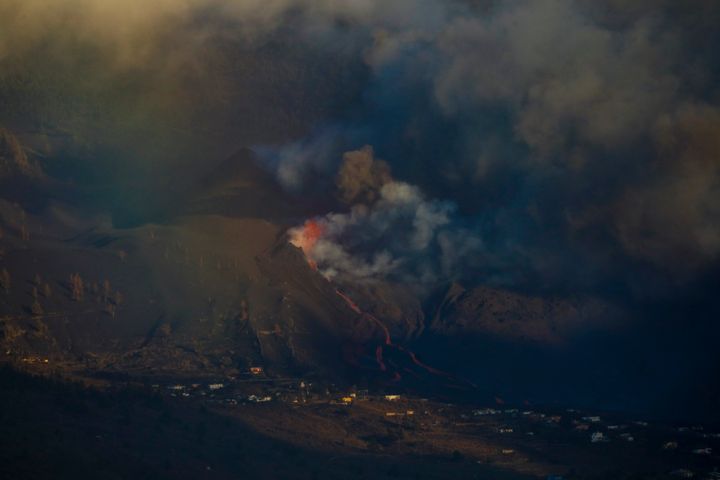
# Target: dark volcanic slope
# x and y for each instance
(507, 315)
(216, 289)
(204, 294)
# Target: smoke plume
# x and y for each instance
(525, 137)
(392, 230)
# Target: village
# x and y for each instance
(503, 435)
(386, 420)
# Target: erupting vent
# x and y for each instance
(306, 237)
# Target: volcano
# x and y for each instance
(223, 285)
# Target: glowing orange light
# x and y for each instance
(306, 237)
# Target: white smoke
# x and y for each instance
(401, 234)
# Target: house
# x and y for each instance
(34, 360)
(598, 437)
(256, 370)
(702, 451)
(682, 473)
(257, 399)
(216, 386)
(485, 411)
(670, 446)
(392, 398)
(407, 413)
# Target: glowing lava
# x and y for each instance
(354, 307)
(306, 237)
(390, 346)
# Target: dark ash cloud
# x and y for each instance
(392, 230)
(561, 132)
(567, 132)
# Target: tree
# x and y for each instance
(77, 288)
(36, 308)
(106, 291)
(5, 279)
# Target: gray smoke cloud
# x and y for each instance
(568, 132)
(392, 231)
(561, 132)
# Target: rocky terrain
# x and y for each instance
(216, 288)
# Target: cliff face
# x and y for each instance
(512, 316)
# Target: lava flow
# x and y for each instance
(306, 237)
(353, 306)
(389, 344)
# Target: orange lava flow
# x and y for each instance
(388, 342)
(353, 306)
(379, 358)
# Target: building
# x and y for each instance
(682, 473)
(259, 399)
(702, 451)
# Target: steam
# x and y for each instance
(392, 230)
(525, 137)
(595, 151)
